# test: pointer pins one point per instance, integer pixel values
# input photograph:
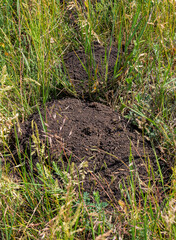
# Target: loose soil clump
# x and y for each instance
(91, 132)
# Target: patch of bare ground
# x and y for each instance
(91, 132)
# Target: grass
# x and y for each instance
(34, 36)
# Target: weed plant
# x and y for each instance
(34, 36)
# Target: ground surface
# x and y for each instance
(84, 72)
(89, 131)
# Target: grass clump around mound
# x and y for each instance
(34, 38)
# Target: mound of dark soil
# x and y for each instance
(91, 132)
(87, 71)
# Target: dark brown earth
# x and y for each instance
(87, 73)
(91, 132)
(88, 132)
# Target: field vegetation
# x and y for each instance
(34, 37)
